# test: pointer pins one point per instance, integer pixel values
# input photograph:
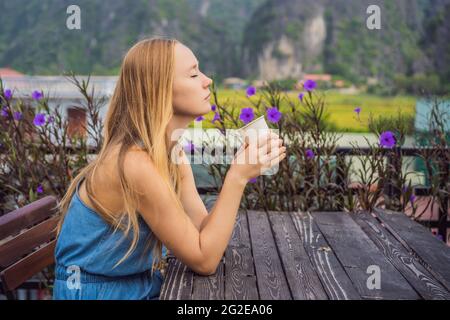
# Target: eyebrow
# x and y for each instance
(194, 66)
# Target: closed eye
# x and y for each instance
(194, 76)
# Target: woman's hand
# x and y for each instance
(255, 157)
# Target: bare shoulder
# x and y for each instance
(143, 175)
(139, 168)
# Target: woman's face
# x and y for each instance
(190, 86)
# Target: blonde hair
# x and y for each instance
(139, 112)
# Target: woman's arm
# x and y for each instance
(217, 227)
(199, 250)
(228, 201)
(192, 203)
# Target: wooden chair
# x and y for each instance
(27, 243)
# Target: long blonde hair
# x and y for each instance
(139, 112)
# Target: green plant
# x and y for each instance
(38, 156)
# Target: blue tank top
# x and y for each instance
(87, 250)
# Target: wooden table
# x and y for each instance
(320, 255)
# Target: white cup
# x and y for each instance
(253, 131)
(259, 123)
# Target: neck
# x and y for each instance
(175, 129)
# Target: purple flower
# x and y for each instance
(250, 91)
(357, 110)
(273, 115)
(252, 180)
(387, 139)
(412, 199)
(309, 85)
(8, 94)
(309, 154)
(300, 96)
(213, 107)
(36, 95)
(200, 119)
(39, 119)
(216, 117)
(17, 115)
(440, 237)
(50, 119)
(40, 189)
(4, 112)
(246, 115)
(189, 147)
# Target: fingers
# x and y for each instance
(271, 137)
(274, 135)
(273, 154)
(278, 159)
(268, 147)
(274, 158)
(261, 139)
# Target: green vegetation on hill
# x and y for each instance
(34, 38)
(410, 53)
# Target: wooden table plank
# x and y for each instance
(178, 282)
(213, 287)
(210, 287)
(240, 236)
(271, 279)
(423, 282)
(168, 278)
(302, 279)
(335, 281)
(285, 255)
(357, 253)
(432, 253)
(240, 276)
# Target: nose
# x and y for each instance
(208, 81)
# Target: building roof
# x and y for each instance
(8, 72)
(317, 77)
(57, 87)
(233, 80)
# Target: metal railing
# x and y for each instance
(441, 224)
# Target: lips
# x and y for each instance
(208, 96)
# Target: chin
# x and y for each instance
(208, 108)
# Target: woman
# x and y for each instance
(133, 203)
